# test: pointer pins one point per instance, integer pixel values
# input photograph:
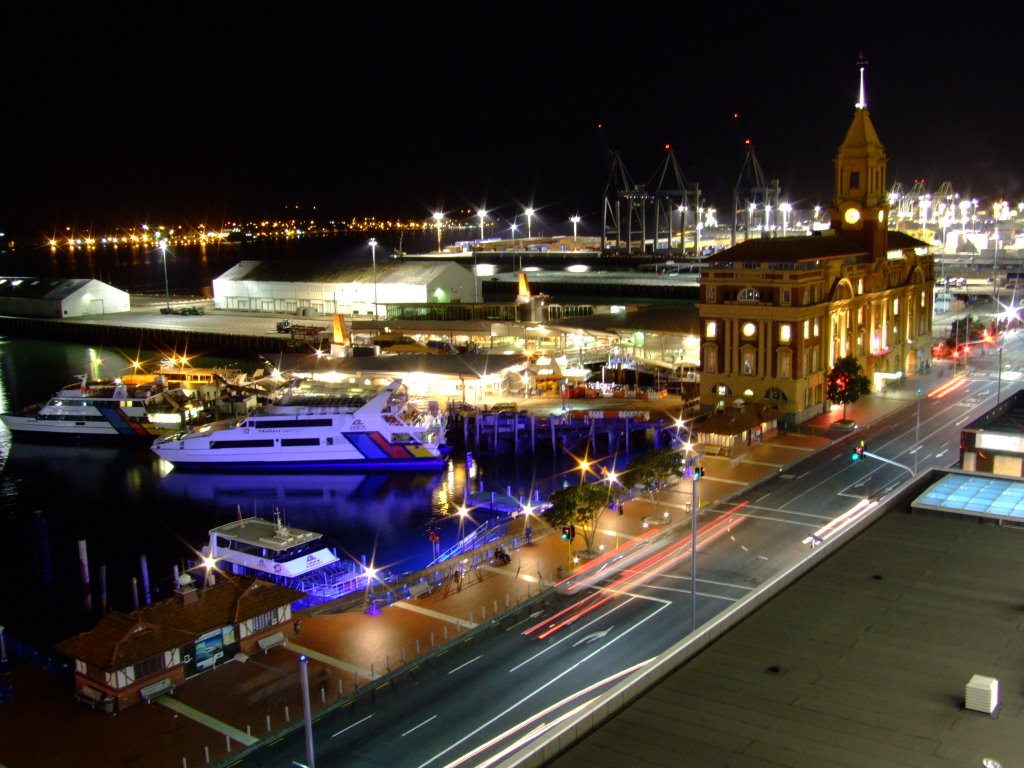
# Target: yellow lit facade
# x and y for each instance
(777, 313)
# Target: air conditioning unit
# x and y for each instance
(982, 694)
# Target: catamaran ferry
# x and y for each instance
(314, 426)
(291, 557)
(106, 409)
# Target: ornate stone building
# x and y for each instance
(776, 313)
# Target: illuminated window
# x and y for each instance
(860, 285)
(710, 294)
(749, 294)
(807, 329)
(748, 330)
(710, 359)
(785, 296)
(711, 329)
(817, 329)
(749, 364)
(785, 333)
(785, 364)
(895, 306)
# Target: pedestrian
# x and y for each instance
(297, 626)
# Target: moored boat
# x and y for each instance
(316, 426)
(107, 408)
(291, 557)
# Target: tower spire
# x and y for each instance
(862, 101)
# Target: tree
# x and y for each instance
(579, 505)
(652, 471)
(847, 383)
(964, 330)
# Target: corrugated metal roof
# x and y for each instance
(336, 271)
(39, 287)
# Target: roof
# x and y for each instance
(40, 287)
(862, 661)
(337, 271)
(735, 420)
(684, 320)
(120, 640)
(465, 365)
(830, 245)
(990, 496)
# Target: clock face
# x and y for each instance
(749, 329)
(851, 216)
(881, 217)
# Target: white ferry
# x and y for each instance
(292, 557)
(315, 426)
(106, 408)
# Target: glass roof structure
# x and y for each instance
(973, 494)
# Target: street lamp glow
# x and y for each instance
(483, 217)
(575, 222)
(785, 208)
(529, 218)
(438, 218)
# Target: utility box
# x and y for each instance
(982, 694)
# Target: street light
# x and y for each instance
(438, 218)
(373, 251)
(529, 217)
(698, 472)
(483, 216)
(785, 208)
(575, 222)
(167, 287)
(513, 226)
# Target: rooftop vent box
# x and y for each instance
(982, 694)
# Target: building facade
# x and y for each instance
(776, 314)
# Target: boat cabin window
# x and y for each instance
(402, 438)
(299, 441)
(290, 423)
(242, 443)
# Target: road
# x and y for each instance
(497, 690)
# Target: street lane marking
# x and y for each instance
(420, 725)
(452, 672)
(350, 727)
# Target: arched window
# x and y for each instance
(775, 394)
(749, 294)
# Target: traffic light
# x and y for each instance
(567, 532)
(858, 452)
(698, 471)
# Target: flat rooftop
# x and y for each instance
(863, 661)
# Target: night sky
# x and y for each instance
(201, 116)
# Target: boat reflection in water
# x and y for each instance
(381, 519)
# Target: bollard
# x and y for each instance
(184, 762)
(248, 730)
(372, 676)
(357, 681)
(287, 717)
(403, 654)
(431, 639)
(445, 632)
(496, 606)
(417, 647)
(341, 688)
(507, 601)
(387, 662)
(268, 723)
(227, 740)
(206, 754)
(470, 618)
(323, 695)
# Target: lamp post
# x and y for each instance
(575, 222)
(438, 218)
(307, 712)
(785, 208)
(167, 286)
(529, 220)
(697, 470)
(483, 216)
(373, 251)
(513, 228)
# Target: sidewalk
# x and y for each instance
(211, 718)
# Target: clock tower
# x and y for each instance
(861, 207)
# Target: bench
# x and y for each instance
(157, 689)
(89, 695)
(271, 641)
(419, 589)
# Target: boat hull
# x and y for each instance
(29, 427)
